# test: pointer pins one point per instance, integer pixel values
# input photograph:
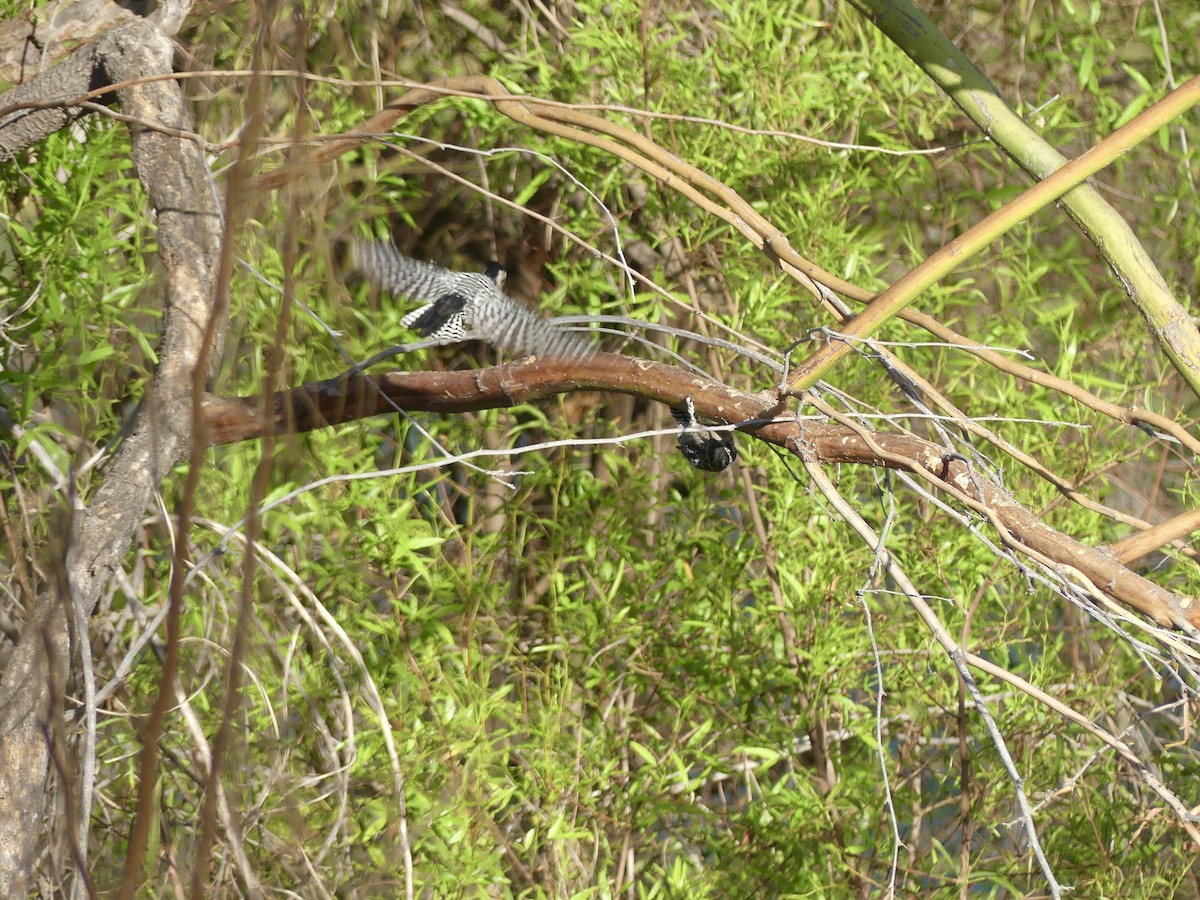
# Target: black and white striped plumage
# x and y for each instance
(462, 305)
(712, 451)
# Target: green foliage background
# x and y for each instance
(610, 676)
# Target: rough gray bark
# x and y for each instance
(177, 182)
(28, 125)
(36, 38)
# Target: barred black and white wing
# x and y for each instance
(461, 305)
(518, 331)
(382, 264)
(443, 320)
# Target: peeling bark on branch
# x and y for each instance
(176, 179)
(355, 396)
(38, 38)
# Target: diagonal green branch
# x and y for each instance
(954, 73)
(1170, 321)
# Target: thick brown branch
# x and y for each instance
(564, 121)
(349, 397)
(355, 396)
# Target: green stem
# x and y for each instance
(954, 72)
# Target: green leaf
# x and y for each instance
(1131, 111)
(644, 753)
(96, 354)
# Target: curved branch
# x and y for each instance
(354, 396)
(565, 121)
